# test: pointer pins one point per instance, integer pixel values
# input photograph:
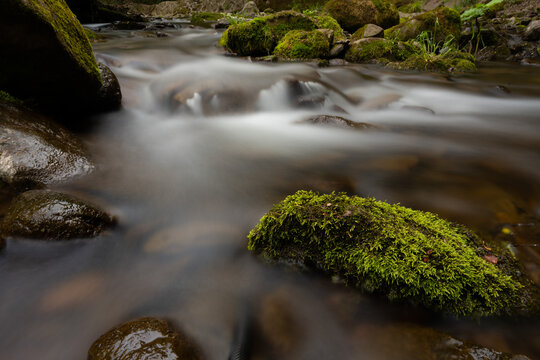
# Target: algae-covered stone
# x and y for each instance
(298, 44)
(378, 50)
(46, 58)
(392, 250)
(146, 338)
(205, 18)
(328, 22)
(48, 215)
(441, 22)
(260, 36)
(353, 14)
(35, 151)
(453, 61)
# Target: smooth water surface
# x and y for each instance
(203, 147)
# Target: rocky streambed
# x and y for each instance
(202, 148)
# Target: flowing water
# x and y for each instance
(203, 147)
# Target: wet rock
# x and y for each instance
(35, 151)
(298, 44)
(48, 215)
(532, 32)
(335, 121)
(408, 341)
(143, 339)
(353, 14)
(358, 239)
(47, 59)
(110, 92)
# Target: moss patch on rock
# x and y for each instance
(387, 14)
(260, 36)
(202, 18)
(328, 22)
(438, 63)
(388, 249)
(378, 50)
(298, 44)
(442, 22)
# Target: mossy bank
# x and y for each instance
(392, 250)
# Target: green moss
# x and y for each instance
(6, 97)
(443, 22)
(438, 63)
(260, 36)
(392, 250)
(328, 22)
(93, 36)
(375, 50)
(202, 18)
(387, 14)
(299, 44)
(68, 31)
(358, 34)
(413, 7)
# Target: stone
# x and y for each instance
(298, 44)
(339, 49)
(47, 60)
(374, 31)
(353, 14)
(48, 215)
(532, 32)
(143, 339)
(250, 9)
(34, 151)
(335, 121)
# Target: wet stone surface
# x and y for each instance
(35, 151)
(41, 214)
(145, 338)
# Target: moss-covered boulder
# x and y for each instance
(298, 44)
(34, 151)
(205, 19)
(328, 22)
(145, 338)
(260, 36)
(48, 215)
(453, 61)
(46, 58)
(353, 14)
(441, 22)
(392, 250)
(376, 50)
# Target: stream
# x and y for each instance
(206, 143)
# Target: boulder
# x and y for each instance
(353, 14)
(48, 215)
(368, 31)
(532, 32)
(328, 22)
(46, 58)
(34, 151)
(376, 50)
(250, 9)
(146, 338)
(260, 36)
(405, 254)
(298, 44)
(441, 22)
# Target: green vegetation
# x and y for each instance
(328, 22)
(260, 36)
(388, 249)
(298, 44)
(412, 7)
(483, 10)
(379, 51)
(6, 97)
(387, 14)
(201, 18)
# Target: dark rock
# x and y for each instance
(339, 49)
(143, 339)
(46, 58)
(532, 32)
(335, 121)
(48, 215)
(35, 151)
(110, 93)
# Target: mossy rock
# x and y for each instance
(404, 254)
(328, 22)
(145, 338)
(260, 36)
(441, 22)
(378, 51)
(46, 57)
(353, 14)
(437, 63)
(204, 19)
(299, 44)
(48, 215)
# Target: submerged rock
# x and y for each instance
(335, 121)
(143, 339)
(48, 215)
(399, 252)
(35, 151)
(353, 14)
(46, 58)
